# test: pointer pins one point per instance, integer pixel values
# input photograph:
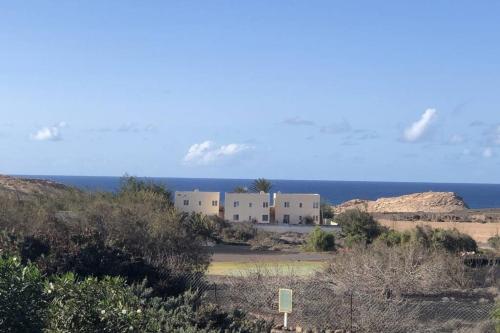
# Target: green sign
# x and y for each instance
(285, 300)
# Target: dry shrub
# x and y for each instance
(395, 271)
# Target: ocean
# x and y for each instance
(335, 192)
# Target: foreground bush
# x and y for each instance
(22, 301)
(30, 303)
(393, 271)
(320, 240)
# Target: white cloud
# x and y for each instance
(420, 127)
(49, 133)
(208, 152)
(487, 152)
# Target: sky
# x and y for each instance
(334, 90)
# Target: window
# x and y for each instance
(265, 218)
(300, 205)
(316, 217)
(214, 203)
(287, 204)
(265, 204)
(250, 204)
(249, 218)
(236, 217)
(315, 204)
(300, 218)
(199, 203)
(186, 202)
(236, 204)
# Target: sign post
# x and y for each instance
(285, 304)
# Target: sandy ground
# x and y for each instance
(479, 231)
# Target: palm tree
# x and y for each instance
(261, 184)
(240, 189)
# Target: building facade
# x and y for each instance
(296, 208)
(206, 203)
(243, 207)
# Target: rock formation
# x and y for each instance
(429, 202)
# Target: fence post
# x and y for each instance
(215, 292)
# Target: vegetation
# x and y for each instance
(240, 189)
(358, 227)
(319, 240)
(22, 300)
(326, 210)
(108, 262)
(494, 242)
(65, 303)
(134, 233)
(449, 240)
(261, 184)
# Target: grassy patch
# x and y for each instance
(269, 268)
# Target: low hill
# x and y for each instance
(27, 187)
(429, 202)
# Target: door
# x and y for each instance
(286, 219)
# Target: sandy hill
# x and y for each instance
(26, 187)
(429, 202)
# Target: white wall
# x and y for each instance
(310, 207)
(250, 206)
(198, 202)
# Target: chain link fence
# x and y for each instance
(319, 305)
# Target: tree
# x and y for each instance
(358, 227)
(240, 189)
(261, 184)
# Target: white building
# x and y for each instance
(252, 207)
(197, 202)
(296, 208)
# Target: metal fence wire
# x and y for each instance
(320, 306)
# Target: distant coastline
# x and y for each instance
(478, 196)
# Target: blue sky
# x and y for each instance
(341, 90)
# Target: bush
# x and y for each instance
(494, 242)
(241, 232)
(393, 237)
(450, 240)
(358, 227)
(135, 233)
(320, 240)
(22, 302)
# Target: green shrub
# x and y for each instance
(393, 237)
(22, 302)
(109, 305)
(320, 240)
(494, 242)
(358, 227)
(449, 240)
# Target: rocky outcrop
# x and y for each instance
(25, 187)
(429, 202)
